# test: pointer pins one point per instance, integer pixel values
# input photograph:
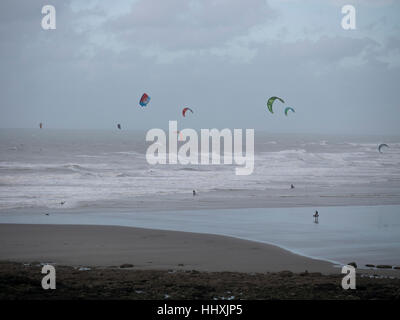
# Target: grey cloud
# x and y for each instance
(66, 79)
(188, 24)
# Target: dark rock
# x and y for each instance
(126, 265)
(384, 266)
(326, 286)
(370, 265)
(397, 268)
(315, 274)
(286, 273)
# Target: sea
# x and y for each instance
(41, 168)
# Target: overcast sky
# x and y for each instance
(222, 58)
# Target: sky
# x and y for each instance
(221, 58)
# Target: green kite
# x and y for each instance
(271, 101)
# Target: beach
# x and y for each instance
(147, 249)
(108, 262)
(343, 234)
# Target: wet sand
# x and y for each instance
(365, 235)
(145, 249)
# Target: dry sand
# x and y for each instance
(103, 246)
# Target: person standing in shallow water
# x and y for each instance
(194, 192)
(316, 215)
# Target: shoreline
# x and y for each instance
(113, 262)
(23, 282)
(109, 263)
(154, 249)
(302, 196)
(147, 249)
(288, 229)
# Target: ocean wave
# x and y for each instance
(88, 156)
(200, 169)
(43, 168)
(123, 175)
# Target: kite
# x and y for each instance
(271, 101)
(288, 109)
(184, 111)
(144, 100)
(381, 146)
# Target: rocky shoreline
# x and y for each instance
(19, 281)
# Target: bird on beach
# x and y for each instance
(62, 202)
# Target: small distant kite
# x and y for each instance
(381, 146)
(271, 101)
(180, 134)
(119, 126)
(144, 100)
(185, 110)
(288, 109)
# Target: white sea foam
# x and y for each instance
(79, 167)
